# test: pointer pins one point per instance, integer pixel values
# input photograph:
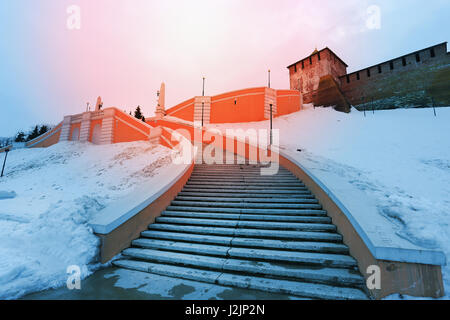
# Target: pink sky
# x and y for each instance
(124, 49)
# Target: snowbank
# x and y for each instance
(395, 161)
(44, 228)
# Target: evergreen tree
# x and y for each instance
(143, 118)
(43, 129)
(33, 134)
(138, 113)
(20, 137)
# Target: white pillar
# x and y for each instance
(202, 102)
(107, 135)
(270, 98)
(65, 129)
(160, 108)
(85, 127)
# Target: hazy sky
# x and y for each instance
(125, 49)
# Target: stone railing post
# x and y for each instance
(85, 126)
(270, 98)
(107, 134)
(65, 129)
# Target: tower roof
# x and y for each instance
(316, 52)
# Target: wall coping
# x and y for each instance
(410, 253)
(44, 136)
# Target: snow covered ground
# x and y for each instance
(46, 199)
(399, 159)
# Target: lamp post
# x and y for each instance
(270, 124)
(269, 77)
(203, 92)
(4, 161)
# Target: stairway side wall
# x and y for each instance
(413, 279)
(47, 139)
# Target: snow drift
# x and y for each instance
(50, 195)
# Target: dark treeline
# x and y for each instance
(32, 134)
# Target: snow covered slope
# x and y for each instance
(46, 199)
(397, 161)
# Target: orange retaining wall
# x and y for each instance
(244, 105)
(35, 143)
(288, 101)
(126, 133)
(47, 139)
(184, 110)
(249, 106)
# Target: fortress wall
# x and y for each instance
(408, 81)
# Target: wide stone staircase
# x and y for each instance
(234, 227)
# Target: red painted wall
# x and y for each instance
(244, 105)
(184, 110)
(288, 101)
(126, 133)
(249, 106)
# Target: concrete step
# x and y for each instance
(246, 205)
(325, 247)
(301, 289)
(250, 233)
(246, 180)
(247, 184)
(246, 200)
(247, 166)
(256, 217)
(249, 224)
(295, 212)
(238, 175)
(300, 257)
(249, 192)
(209, 193)
(244, 188)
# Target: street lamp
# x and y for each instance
(4, 161)
(203, 92)
(269, 78)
